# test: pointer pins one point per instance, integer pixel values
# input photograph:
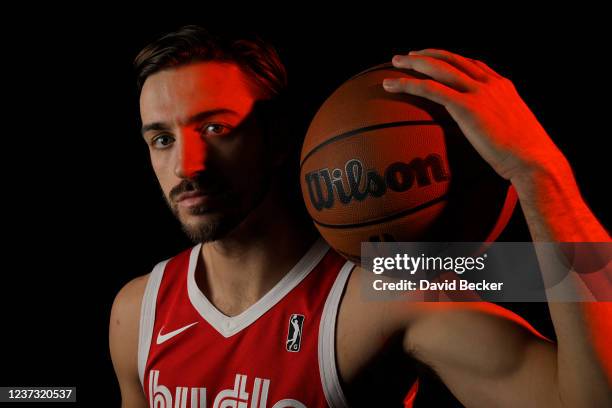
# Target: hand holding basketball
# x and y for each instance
(487, 108)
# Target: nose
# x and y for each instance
(192, 156)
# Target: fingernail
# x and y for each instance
(396, 59)
(389, 84)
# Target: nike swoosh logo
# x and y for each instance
(164, 337)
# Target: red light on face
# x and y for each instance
(193, 156)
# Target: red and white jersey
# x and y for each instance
(280, 352)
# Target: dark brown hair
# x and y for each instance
(193, 43)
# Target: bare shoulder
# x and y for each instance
(427, 327)
(128, 299)
(355, 304)
(423, 321)
(386, 313)
(483, 352)
(125, 313)
(123, 339)
(363, 328)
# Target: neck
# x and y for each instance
(241, 268)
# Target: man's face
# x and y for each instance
(206, 149)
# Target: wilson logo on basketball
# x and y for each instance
(324, 187)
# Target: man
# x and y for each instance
(261, 312)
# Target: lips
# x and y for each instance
(189, 195)
(196, 198)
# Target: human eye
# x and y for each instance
(162, 141)
(215, 129)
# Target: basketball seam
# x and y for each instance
(386, 66)
(370, 128)
(399, 214)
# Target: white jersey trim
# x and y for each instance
(228, 326)
(147, 317)
(327, 341)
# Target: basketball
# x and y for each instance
(375, 166)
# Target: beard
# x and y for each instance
(207, 223)
(209, 231)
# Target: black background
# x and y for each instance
(82, 210)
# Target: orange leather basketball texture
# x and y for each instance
(374, 165)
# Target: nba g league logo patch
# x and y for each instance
(294, 334)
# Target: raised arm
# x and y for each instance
(516, 367)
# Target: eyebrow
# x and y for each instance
(198, 117)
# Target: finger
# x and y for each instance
(437, 69)
(426, 88)
(466, 65)
(486, 68)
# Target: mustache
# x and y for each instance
(204, 185)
